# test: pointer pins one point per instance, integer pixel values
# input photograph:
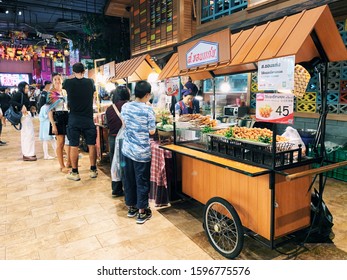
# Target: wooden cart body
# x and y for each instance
(248, 189)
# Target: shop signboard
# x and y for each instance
(202, 53)
(275, 107)
(276, 74)
(207, 50)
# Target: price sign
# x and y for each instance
(275, 107)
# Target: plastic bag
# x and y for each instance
(331, 146)
(116, 167)
(294, 137)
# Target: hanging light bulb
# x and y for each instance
(153, 77)
(225, 86)
(110, 86)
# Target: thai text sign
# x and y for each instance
(275, 107)
(207, 50)
(276, 74)
(202, 53)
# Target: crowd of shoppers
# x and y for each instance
(66, 114)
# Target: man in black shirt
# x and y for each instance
(80, 95)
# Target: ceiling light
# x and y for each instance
(20, 13)
(7, 11)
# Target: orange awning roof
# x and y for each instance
(171, 70)
(290, 35)
(135, 69)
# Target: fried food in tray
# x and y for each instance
(198, 120)
(263, 135)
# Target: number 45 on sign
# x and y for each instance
(275, 107)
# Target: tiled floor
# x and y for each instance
(45, 216)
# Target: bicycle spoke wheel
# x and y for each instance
(223, 227)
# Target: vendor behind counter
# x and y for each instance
(182, 107)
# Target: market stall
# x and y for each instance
(125, 72)
(249, 180)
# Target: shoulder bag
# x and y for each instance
(14, 117)
(116, 170)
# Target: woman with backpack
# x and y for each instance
(21, 102)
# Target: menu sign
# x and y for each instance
(275, 107)
(276, 74)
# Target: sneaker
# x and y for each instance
(117, 194)
(132, 212)
(73, 176)
(3, 142)
(143, 217)
(93, 173)
(48, 157)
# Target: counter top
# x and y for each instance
(244, 168)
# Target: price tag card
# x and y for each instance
(275, 107)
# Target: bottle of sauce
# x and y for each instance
(242, 100)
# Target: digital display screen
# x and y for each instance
(12, 80)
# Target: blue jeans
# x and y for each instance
(136, 182)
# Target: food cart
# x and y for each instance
(258, 189)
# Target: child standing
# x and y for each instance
(139, 120)
(44, 133)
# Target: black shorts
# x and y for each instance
(88, 132)
(61, 119)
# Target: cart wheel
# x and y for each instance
(223, 227)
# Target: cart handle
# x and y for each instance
(315, 170)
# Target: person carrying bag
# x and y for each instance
(116, 167)
(14, 116)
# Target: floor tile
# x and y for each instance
(60, 226)
(71, 249)
(89, 230)
(17, 237)
(29, 247)
(31, 222)
(118, 251)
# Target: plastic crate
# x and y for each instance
(343, 97)
(339, 156)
